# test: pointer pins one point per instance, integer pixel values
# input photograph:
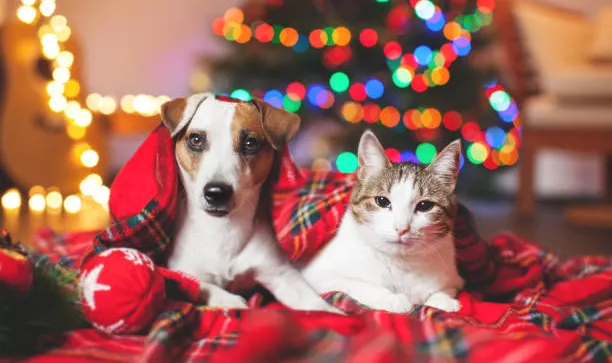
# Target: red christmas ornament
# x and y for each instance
(121, 290)
(16, 272)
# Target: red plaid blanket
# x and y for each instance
(522, 304)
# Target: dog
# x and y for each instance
(226, 151)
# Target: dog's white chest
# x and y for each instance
(207, 249)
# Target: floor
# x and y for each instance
(547, 227)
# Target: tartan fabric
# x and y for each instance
(521, 304)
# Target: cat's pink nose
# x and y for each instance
(404, 231)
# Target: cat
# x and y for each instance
(394, 246)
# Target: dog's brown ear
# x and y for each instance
(279, 125)
(172, 113)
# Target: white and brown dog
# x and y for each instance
(226, 152)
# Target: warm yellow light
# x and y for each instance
(26, 14)
(48, 40)
(47, 7)
(96, 179)
(55, 88)
(90, 158)
(54, 199)
(44, 29)
(63, 34)
(76, 132)
(90, 185)
(107, 105)
(37, 189)
(72, 204)
(72, 88)
(11, 199)
(78, 149)
(93, 101)
(28, 2)
(144, 104)
(102, 195)
(72, 109)
(37, 202)
(84, 118)
(57, 103)
(127, 103)
(51, 51)
(58, 22)
(65, 59)
(61, 74)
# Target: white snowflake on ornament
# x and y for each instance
(110, 329)
(89, 285)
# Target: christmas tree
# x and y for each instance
(401, 68)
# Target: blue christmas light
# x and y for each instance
(461, 161)
(495, 137)
(509, 114)
(313, 93)
(408, 157)
(374, 89)
(437, 22)
(274, 97)
(423, 55)
(302, 44)
(462, 46)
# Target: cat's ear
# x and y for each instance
(372, 157)
(446, 164)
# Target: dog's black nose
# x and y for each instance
(218, 194)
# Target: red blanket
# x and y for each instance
(522, 304)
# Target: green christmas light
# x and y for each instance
(241, 94)
(477, 153)
(500, 101)
(426, 153)
(291, 105)
(347, 162)
(402, 77)
(277, 30)
(339, 82)
(329, 31)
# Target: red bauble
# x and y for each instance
(121, 290)
(15, 272)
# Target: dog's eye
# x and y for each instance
(250, 145)
(424, 206)
(382, 202)
(195, 142)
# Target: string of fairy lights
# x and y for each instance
(63, 92)
(419, 69)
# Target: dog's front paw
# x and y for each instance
(443, 302)
(226, 300)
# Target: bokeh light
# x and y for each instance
(347, 162)
(426, 153)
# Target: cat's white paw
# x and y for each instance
(223, 299)
(399, 304)
(443, 302)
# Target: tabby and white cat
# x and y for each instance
(394, 247)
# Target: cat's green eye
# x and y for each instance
(382, 202)
(424, 206)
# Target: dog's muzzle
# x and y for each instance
(218, 197)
